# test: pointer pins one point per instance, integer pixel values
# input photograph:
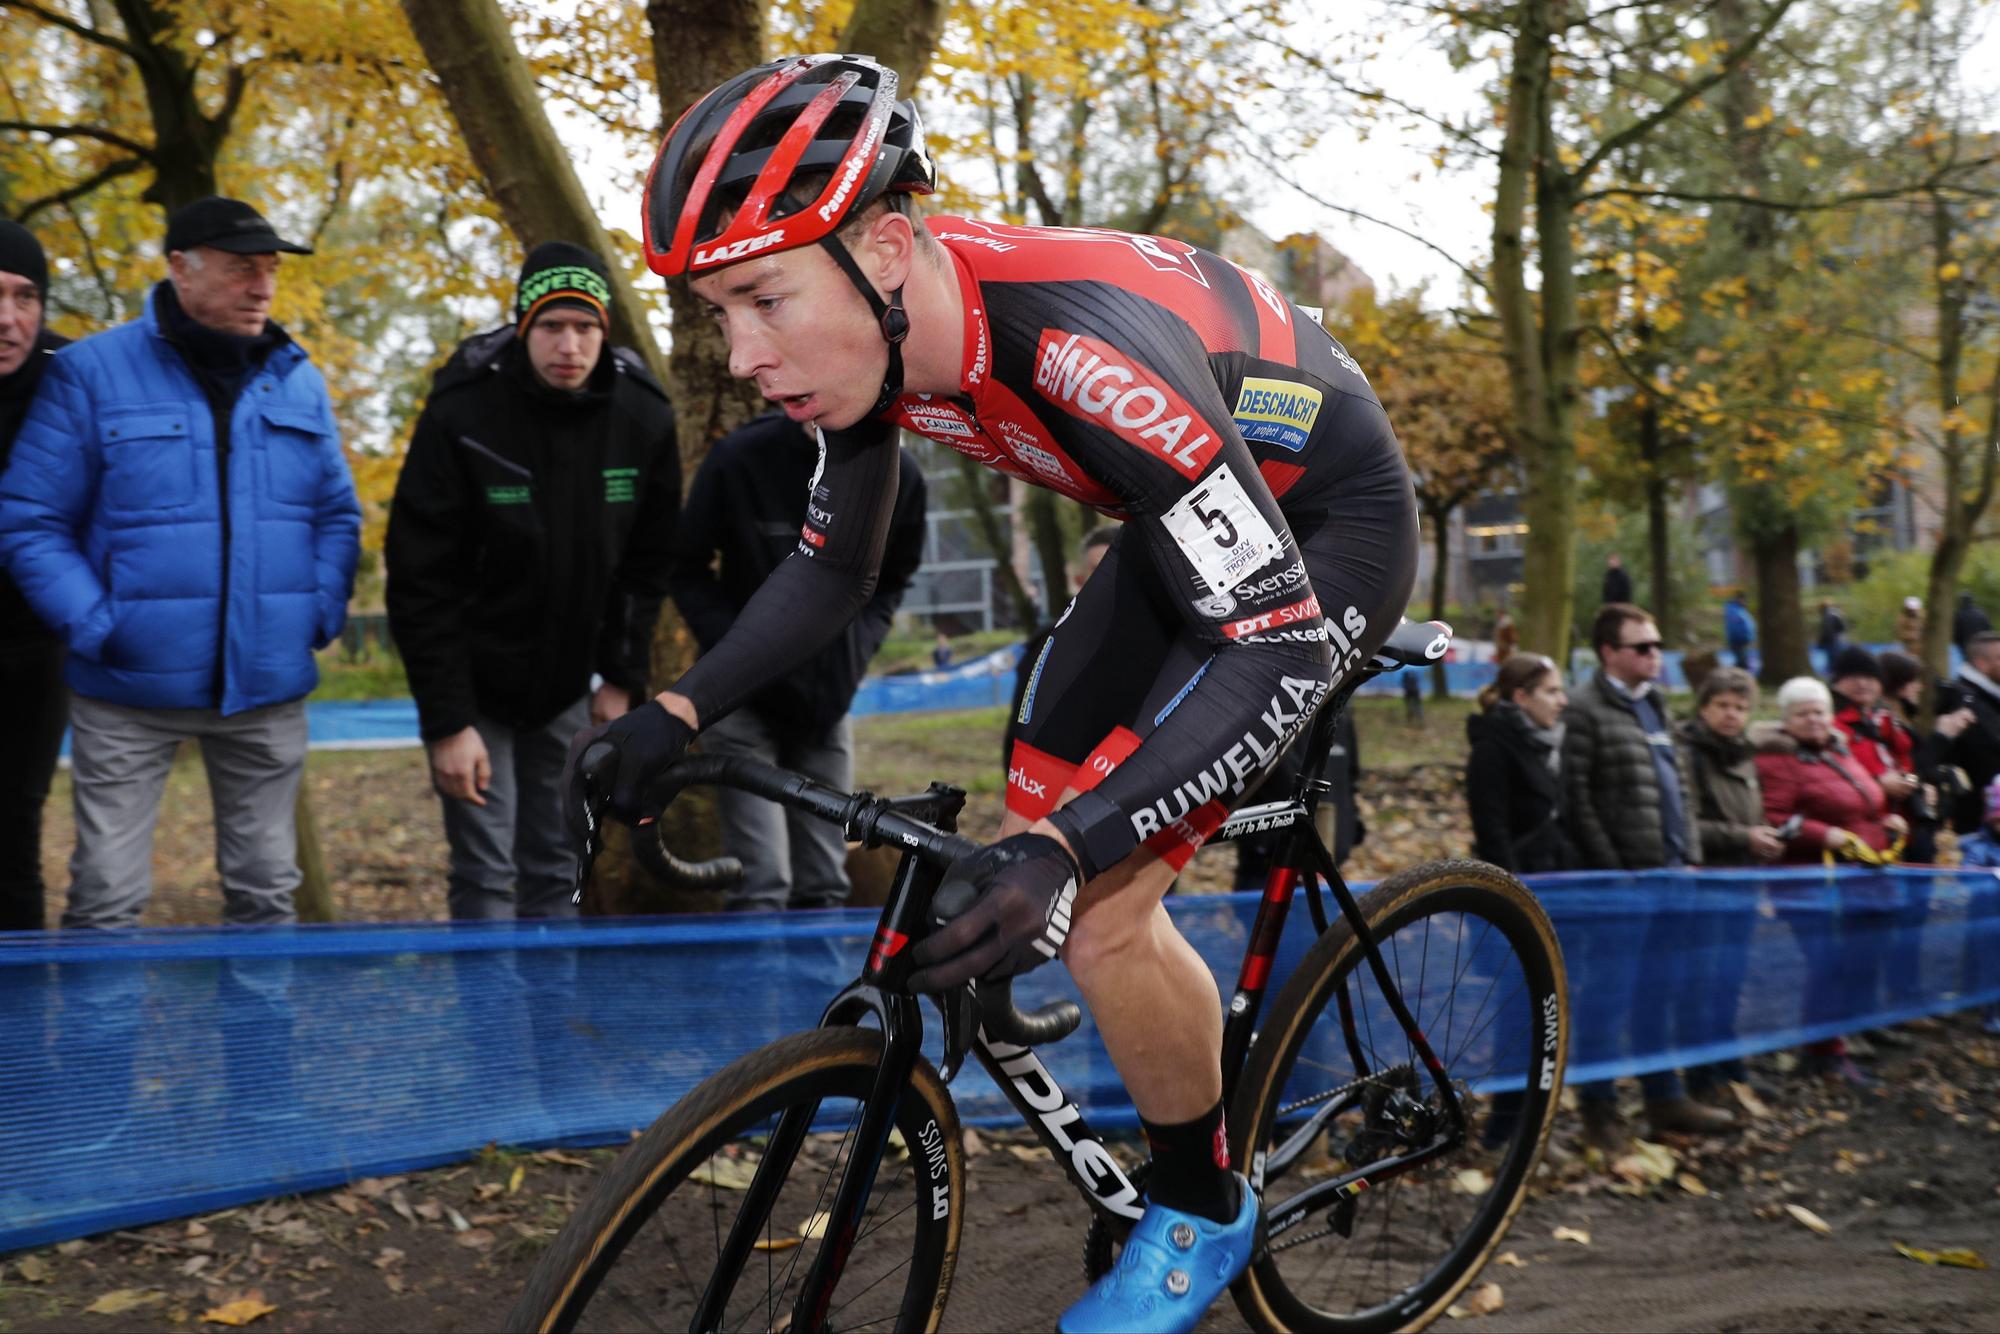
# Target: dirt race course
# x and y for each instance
(1915, 1160)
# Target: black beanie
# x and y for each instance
(1854, 660)
(21, 253)
(557, 273)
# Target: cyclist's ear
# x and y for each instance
(886, 248)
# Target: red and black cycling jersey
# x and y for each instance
(1164, 386)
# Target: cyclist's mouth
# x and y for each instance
(799, 407)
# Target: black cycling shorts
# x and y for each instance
(1120, 659)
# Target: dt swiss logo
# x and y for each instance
(1097, 382)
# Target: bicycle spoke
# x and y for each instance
(1418, 1230)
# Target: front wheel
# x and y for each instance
(1336, 1101)
(644, 1251)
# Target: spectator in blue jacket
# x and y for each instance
(177, 509)
(1739, 629)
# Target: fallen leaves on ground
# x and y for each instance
(121, 1300)
(725, 1172)
(1959, 1257)
(1510, 1259)
(1747, 1099)
(1029, 1153)
(776, 1243)
(1691, 1183)
(251, 1306)
(1808, 1218)
(1646, 1165)
(1576, 1234)
(1482, 1300)
(813, 1228)
(1471, 1181)
(34, 1269)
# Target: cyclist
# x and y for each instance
(1269, 548)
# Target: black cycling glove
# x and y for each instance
(643, 742)
(1026, 890)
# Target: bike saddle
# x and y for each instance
(1414, 644)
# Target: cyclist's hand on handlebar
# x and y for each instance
(643, 742)
(1009, 907)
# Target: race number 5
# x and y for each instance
(1221, 531)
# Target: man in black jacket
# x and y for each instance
(528, 550)
(31, 685)
(744, 513)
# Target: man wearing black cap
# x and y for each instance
(178, 510)
(528, 551)
(30, 656)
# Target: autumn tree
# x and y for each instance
(1446, 392)
(136, 107)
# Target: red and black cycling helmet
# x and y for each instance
(725, 185)
(731, 180)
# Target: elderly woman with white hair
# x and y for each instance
(1805, 770)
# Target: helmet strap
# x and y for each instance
(893, 320)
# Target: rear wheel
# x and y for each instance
(1335, 1092)
(644, 1247)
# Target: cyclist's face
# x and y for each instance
(797, 326)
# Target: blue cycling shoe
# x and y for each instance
(1172, 1269)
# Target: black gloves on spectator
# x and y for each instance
(643, 742)
(1009, 907)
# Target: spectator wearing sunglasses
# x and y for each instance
(1632, 806)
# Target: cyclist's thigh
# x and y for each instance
(1089, 679)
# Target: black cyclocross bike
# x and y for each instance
(1390, 1107)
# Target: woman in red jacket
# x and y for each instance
(1806, 771)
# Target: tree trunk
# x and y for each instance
(185, 141)
(1966, 497)
(901, 34)
(313, 900)
(985, 518)
(1045, 526)
(1658, 540)
(527, 171)
(1779, 617)
(698, 44)
(1441, 548)
(1548, 462)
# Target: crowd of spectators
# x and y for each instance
(1607, 780)
(179, 533)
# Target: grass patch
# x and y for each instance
(374, 675)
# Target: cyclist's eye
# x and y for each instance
(767, 304)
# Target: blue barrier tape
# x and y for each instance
(155, 1073)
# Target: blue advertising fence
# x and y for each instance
(151, 1074)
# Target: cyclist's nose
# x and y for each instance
(749, 352)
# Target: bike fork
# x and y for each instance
(902, 1035)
